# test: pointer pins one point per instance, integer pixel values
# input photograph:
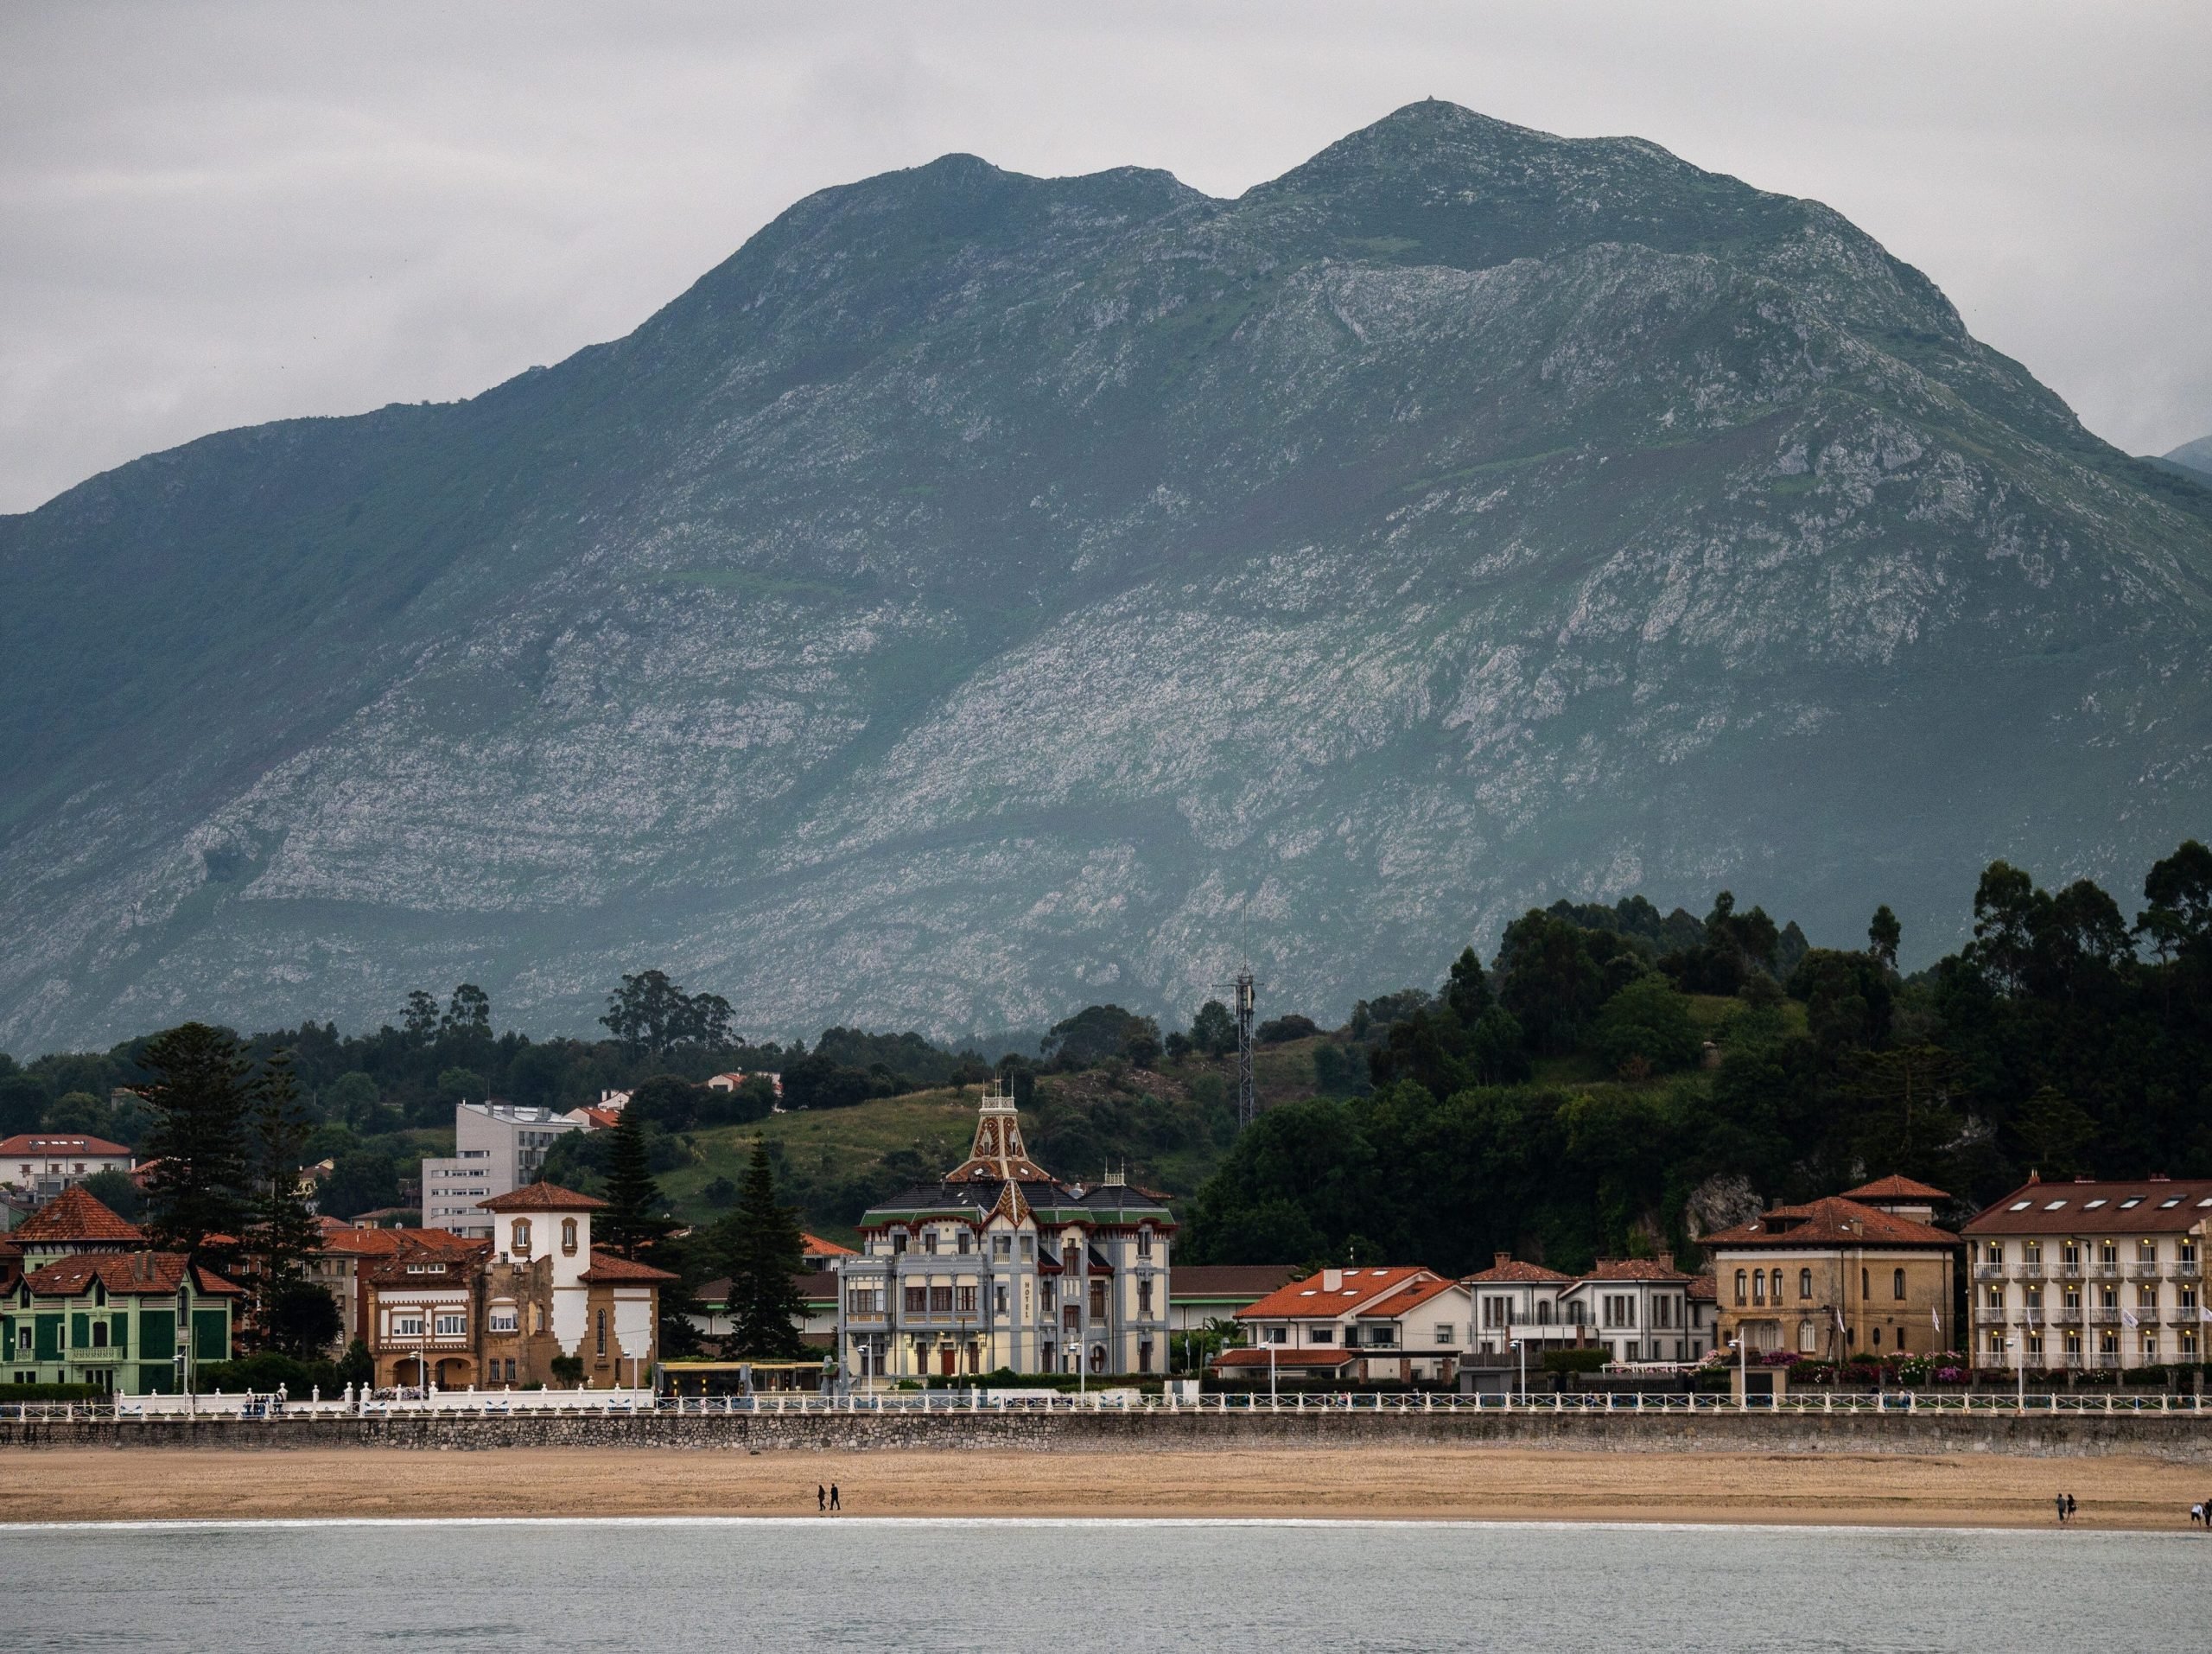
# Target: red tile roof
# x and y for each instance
(2155, 1206)
(1830, 1221)
(59, 1143)
(145, 1274)
(1513, 1271)
(1632, 1269)
(816, 1247)
(1897, 1188)
(609, 1267)
(1287, 1357)
(74, 1215)
(344, 1239)
(1706, 1287)
(1311, 1298)
(1410, 1298)
(542, 1197)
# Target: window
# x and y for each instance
(1807, 1338)
(522, 1238)
(1002, 1246)
(1001, 1300)
(503, 1319)
(451, 1326)
(1866, 1284)
(961, 1239)
(967, 1296)
(1028, 1248)
(918, 1300)
(408, 1324)
(940, 1301)
(1993, 1296)
(1278, 1335)
(1323, 1335)
(1144, 1242)
(1097, 1300)
(1144, 1355)
(2032, 1253)
(1144, 1297)
(1758, 1286)
(863, 1300)
(1804, 1283)
(898, 1243)
(929, 1242)
(602, 1332)
(1896, 1283)
(1877, 1337)
(1051, 1289)
(1994, 1252)
(1776, 1278)
(1740, 1282)
(1443, 1332)
(569, 1236)
(99, 1335)
(1383, 1338)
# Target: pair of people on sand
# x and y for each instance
(826, 1500)
(2066, 1508)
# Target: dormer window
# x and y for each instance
(1144, 1242)
(569, 1236)
(522, 1238)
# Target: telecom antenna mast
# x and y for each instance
(1248, 1106)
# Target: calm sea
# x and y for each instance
(649, 1586)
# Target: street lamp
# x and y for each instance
(1743, 1350)
(1521, 1348)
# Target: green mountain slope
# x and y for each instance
(984, 593)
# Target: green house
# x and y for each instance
(117, 1321)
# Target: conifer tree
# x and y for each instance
(200, 1094)
(762, 1244)
(293, 1312)
(634, 1199)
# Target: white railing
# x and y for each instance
(1319, 1405)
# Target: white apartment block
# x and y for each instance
(497, 1149)
(2088, 1274)
(1640, 1309)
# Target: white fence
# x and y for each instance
(545, 1403)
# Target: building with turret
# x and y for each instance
(999, 1264)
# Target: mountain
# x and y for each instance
(982, 594)
(2194, 456)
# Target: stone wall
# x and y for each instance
(2178, 1436)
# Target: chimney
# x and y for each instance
(1332, 1280)
(1667, 1262)
(1499, 1260)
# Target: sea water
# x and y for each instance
(1121, 1586)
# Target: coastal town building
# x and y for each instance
(1863, 1272)
(87, 1302)
(1394, 1323)
(41, 1164)
(1638, 1309)
(2091, 1274)
(347, 1253)
(1001, 1264)
(535, 1304)
(1519, 1302)
(497, 1147)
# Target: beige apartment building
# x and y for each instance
(1866, 1272)
(2088, 1274)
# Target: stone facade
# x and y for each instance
(1001, 1265)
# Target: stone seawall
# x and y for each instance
(2181, 1437)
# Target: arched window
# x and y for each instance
(1876, 1336)
(522, 1237)
(602, 1332)
(568, 1234)
(1741, 1280)
(1864, 1289)
(1758, 1286)
(1774, 1286)
(1804, 1283)
(1896, 1283)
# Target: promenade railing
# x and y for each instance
(1320, 1406)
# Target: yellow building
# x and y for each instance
(1863, 1273)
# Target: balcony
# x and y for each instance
(2069, 1272)
(2107, 1270)
(2186, 1268)
(1990, 1314)
(1989, 1271)
(2178, 1315)
(2034, 1269)
(2104, 1315)
(2069, 1313)
(2143, 1271)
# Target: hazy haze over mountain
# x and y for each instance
(983, 593)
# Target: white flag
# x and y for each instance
(1936, 1322)
(2204, 1313)
(2127, 1317)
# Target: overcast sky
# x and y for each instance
(215, 214)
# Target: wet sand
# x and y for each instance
(1959, 1489)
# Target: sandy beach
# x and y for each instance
(64, 1483)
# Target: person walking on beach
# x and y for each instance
(821, 1499)
(2062, 1510)
(2070, 1507)
(833, 1497)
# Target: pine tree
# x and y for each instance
(283, 1234)
(201, 1096)
(633, 1201)
(762, 1244)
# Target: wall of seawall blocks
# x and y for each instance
(2181, 1437)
